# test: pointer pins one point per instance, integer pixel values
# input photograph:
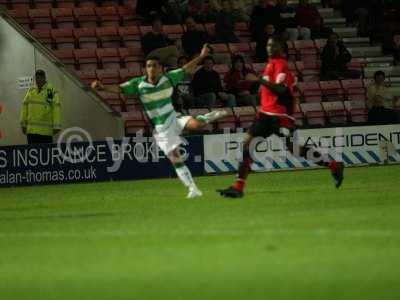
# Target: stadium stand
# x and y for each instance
(101, 40)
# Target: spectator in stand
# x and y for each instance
(320, 31)
(334, 59)
(380, 102)
(225, 25)
(356, 13)
(148, 10)
(266, 12)
(238, 8)
(156, 43)
(176, 10)
(198, 10)
(207, 87)
(307, 18)
(193, 39)
(183, 94)
(246, 92)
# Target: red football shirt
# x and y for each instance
(277, 71)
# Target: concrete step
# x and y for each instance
(357, 41)
(327, 12)
(365, 51)
(335, 22)
(346, 32)
(392, 71)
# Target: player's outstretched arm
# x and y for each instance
(276, 88)
(190, 67)
(98, 86)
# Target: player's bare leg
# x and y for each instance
(184, 174)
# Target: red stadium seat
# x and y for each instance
(145, 29)
(357, 111)
(110, 76)
(21, 4)
(221, 69)
(86, 38)
(87, 76)
(47, 4)
(131, 56)
(305, 48)
(109, 37)
(44, 36)
(174, 32)
(108, 58)
(86, 17)
(299, 116)
(244, 115)
(136, 122)
(210, 29)
(88, 4)
(259, 67)
(228, 122)
(310, 91)
(335, 112)
(239, 48)
(66, 56)
(40, 18)
(22, 17)
(64, 38)
(114, 100)
(314, 114)
(108, 16)
(63, 17)
(320, 44)
(292, 53)
(354, 89)
(127, 74)
(86, 59)
(309, 69)
(130, 35)
(332, 90)
(127, 16)
(220, 48)
(242, 29)
(66, 3)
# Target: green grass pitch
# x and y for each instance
(292, 237)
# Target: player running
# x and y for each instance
(155, 90)
(276, 117)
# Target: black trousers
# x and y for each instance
(39, 139)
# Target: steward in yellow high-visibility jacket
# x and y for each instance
(40, 115)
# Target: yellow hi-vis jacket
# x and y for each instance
(41, 111)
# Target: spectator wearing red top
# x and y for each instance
(236, 83)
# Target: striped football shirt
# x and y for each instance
(156, 99)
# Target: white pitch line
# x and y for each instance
(202, 233)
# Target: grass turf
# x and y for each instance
(292, 237)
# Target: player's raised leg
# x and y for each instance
(199, 122)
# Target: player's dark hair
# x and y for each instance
(379, 73)
(152, 57)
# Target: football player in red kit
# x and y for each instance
(276, 117)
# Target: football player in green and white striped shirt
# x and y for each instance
(155, 90)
